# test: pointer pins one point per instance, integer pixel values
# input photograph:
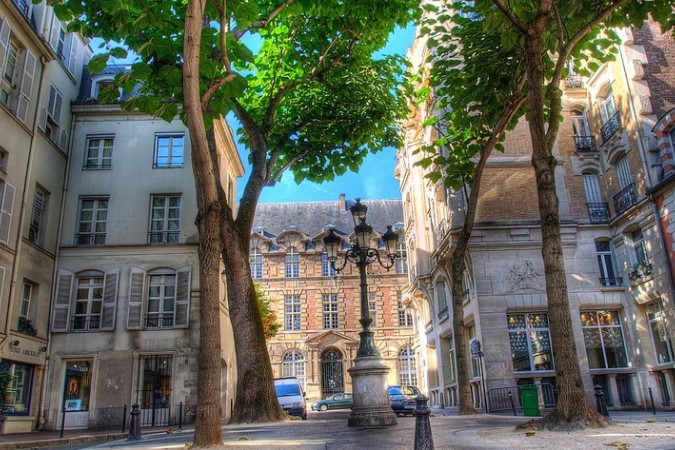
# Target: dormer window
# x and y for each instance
(100, 84)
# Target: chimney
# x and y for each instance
(343, 204)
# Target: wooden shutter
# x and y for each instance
(7, 199)
(63, 139)
(54, 32)
(64, 289)
(136, 294)
(5, 31)
(109, 307)
(54, 104)
(2, 280)
(73, 49)
(182, 297)
(29, 64)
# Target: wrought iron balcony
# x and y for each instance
(625, 198)
(85, 323)
(640, 271)
(610, 127)
(24, 6)
(598, 212)
(90, 239)
(573, 82)
(609, 282)
(585, 144)
(163, 237)
(159, 321)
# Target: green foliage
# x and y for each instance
(269, 317)
(307, 78)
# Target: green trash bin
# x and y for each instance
(529, 398)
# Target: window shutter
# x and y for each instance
(2, 279)
(63, 139)
(136, 294)
(5, 30)
(182, 297)
(42, 120)
(72, 53)
(54, 33)
(109, 307)
(54, 108)
(64, 288)
(7, 197)
(29, 63)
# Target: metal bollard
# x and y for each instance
(600, 400)
(513, 405)
(423, 438)
(134, 424)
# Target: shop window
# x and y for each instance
(17, 394)
(78, 386)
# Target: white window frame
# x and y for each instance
(600, 327)
(91, 231)
(292, 262)
(330, 308)
(26, 300)
(165, 218)
(407, 367)
(38, 217)
(173, 151)
(256, 262)
(528, 330)
(92, 285)
(606, 263)
(292, 313)
(102, 148)
(656, 317)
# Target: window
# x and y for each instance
(623, 172)
(640, 266)
(87, 301)
(407, 368)
(78, 385)
(598, 212)
(663, 344)
(404, 317)
(610, 116)
(155, 383)
(327, 269)
(50, 119)
(26, 296)
(9, 73)
(37, 225)
(165, 219)
(372, 309)
(99, 152)
(401, 259)
(169, 150)
(441, 299)
(159, 299)
(7, 192)
(255, 260)
(292, 263)
(608, 275)
(292, 313)
(293, 365)
(91, 230)
(452, 367)
(583, 140)
(603, 337)
(17, 71)
(530, 342)
(17, 394)
(28, 293)
(330, 311)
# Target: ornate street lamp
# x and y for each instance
(369, 374)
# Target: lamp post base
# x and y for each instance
(371, 408)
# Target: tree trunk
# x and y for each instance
(573, 404)
(256, 400)
(465, 399)
(208, 418)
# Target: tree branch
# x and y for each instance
(238, 34)
(206, 98)
(513, 18)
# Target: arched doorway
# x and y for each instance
(332, 372)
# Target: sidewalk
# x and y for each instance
(631, 430)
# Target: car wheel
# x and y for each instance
(324, 407)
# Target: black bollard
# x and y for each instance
(651, 398)
(134, 424)
(513, 405)
(600, 400)
(423, 438)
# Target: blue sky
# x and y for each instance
(375, 179)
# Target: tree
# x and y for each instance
(469, 129)
(311, 99)
(549, 33)
(269, 317)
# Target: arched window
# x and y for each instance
(583, 140)
(293, 365)
(407, 368)
(292, 263)
(255, 260)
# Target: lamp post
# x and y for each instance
(371, 406)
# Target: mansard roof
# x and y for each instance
(314, 218)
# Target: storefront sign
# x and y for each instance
(31, 353)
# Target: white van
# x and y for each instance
(291, 397)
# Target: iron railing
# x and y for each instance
(585, 144)
(610, 127)
(159, 321)
(85, 323)
(89, 239)
(163, 237)
(508, 398)
(625, 198)
(598, 212)
(611, 281)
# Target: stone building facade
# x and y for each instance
(613, 181)
(125, 311)
(40, 73)
(318, 309)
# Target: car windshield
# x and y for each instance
(287, 390)
(410, 390)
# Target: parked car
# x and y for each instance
(402, 399)
(291, 397)
(335, 401)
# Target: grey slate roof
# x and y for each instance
(311, 217)
(84, 95)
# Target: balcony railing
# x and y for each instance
(24, 6)
(85, 323)
(598, 212)
(158, 321)
(610, 127)
(573, 82)
(640, 271)
(585, 144)
(163, 237)
(89, 239)
(611, 282)
(625, 198)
